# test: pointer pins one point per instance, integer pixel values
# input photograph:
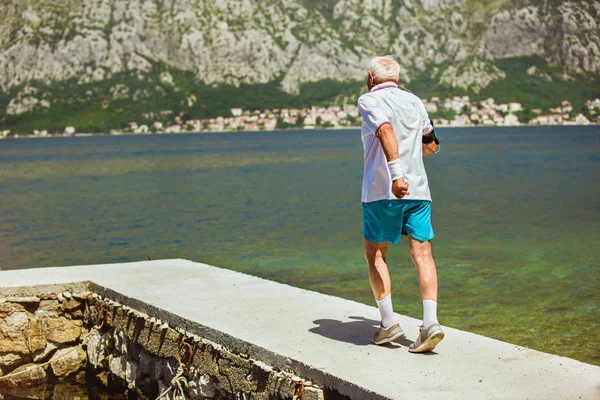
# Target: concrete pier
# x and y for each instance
(322, 338)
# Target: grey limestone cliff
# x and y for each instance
(293, 41)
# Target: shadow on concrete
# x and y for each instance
(359, 332)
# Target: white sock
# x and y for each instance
(429, 313)
(386, 311)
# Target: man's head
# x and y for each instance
(383, 69)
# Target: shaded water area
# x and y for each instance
(515, 212)
(66, 390)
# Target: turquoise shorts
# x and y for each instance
(386, 220)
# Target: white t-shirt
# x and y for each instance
(409, 118)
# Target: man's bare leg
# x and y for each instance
(420, 253)
(431, 332)
(375, 254)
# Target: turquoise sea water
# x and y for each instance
(516, 215)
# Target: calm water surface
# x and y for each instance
(516, 215)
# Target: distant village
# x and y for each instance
(458, 111)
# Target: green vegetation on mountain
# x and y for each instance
(129, 96)
(543, 87)
(100, 65)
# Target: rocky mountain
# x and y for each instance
(50, 48)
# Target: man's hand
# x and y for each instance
(430, 143)
(429, 148)
(400, 188)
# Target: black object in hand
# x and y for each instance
(431, 137)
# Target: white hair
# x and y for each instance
(384, 68)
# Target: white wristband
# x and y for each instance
(395, 169)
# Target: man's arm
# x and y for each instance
(430, 142)
(429, 148)
(389, 143)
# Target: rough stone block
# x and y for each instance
(67, 361)
(117, 365)
(120, 341)
(279, 385)
(7, 308)
(14, 325)
(132, 371)
(161, 342)
(206, 358)
(81, 295)
(20, 334)
(49, 305)
(234, 370)
(62, 330)
(169, 369)
(80, 377)
(23, 300)
(96, 348)
(36, 338)
(128, 347)
(194, 391)
(76, 314)
(124, 369)
(206, 386)
(312, 393)
(71, 305)
(41, 355)
(46, 314)
(12, 333)
(25, 375)
(10, 359)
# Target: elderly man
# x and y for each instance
(395, 196)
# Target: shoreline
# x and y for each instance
(87, 134)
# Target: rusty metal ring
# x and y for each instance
(187, 349)
(101, 316)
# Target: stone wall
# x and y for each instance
(59, 336)
(41, 339)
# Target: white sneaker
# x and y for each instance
(386, 335)
(427, 339)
